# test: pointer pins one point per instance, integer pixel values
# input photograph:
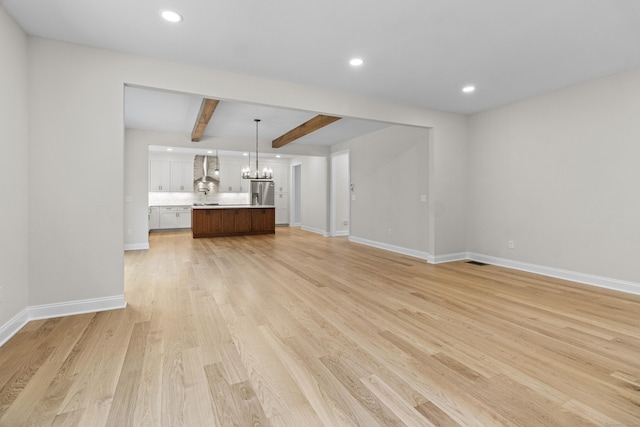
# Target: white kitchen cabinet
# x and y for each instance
(231, 179)
(154, 218)
(159, 175)
(181, 176)
(174, 217)
(281, 202)
(184, 218)
(170, 175)
(281, 177)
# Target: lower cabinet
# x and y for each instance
(263, 220)
(236, 221)
(174, 217)
(154, 218)
(282, 208)
(206, 221)
(232, 221)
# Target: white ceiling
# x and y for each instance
(416, 52)
(177, 112)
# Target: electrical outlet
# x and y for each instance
(353, 197)
(345, 222)
(511, 244)
(423, 198)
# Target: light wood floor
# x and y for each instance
(295, 329)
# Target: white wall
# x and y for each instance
(341, 195)
(389, 171)
(76, 174)
(76, 113)
(448, 192)
(136, 190)
(558, 174)
(14, 169)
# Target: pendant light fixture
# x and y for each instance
(248, 173)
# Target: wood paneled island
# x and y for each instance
(214, 221)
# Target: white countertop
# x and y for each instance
(234, 207)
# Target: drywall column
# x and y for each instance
(14, 168)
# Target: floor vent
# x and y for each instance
(476, 263)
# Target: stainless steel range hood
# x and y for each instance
(206, 173)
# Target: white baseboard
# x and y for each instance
(315, 230)
(587, 279)
(49, 311)
(439, 259)
(398, 249)
(10, 328)
(136, 246)
(341, 233)
(574, 276)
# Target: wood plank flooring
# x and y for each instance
(295, 329)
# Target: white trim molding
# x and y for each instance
(136, 246)
(315, 230)
(340, 233)
(69, 308)
(49, 311)
(387, 247)
(574, 276)
(439, 259)
(12, 327)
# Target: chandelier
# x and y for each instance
(248, 173)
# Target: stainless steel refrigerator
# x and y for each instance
(262, 192)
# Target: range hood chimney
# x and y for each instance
(206, 173)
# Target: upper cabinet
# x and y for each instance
(231, 178)
(280, 175)
(159, 175)
(170, 175)
(181, 176)
(174, 173)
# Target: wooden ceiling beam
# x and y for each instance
(306, 128)
(207, 108)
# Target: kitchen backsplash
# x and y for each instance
(164, 198)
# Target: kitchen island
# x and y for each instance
(232, 220)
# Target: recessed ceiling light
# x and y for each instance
(278, 156)
(245, 154)
(171, 16)
(356, 62)
(468, 89)
(209, 152)
(169, 149)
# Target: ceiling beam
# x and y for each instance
(207, 108)
(306, 128)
